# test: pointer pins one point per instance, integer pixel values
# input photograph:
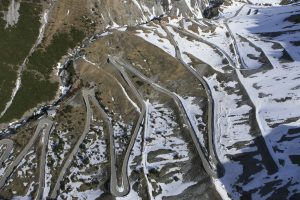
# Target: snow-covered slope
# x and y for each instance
(182, 107)
(254, 57)
(132, 12)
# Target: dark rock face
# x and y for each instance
(293, 19)
(210, 12)
(213, 9)
(285, 2)
(165, 5)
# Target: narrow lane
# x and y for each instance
(196, 37)
(211, 104)
(115, 188)
(138, 124)
(9, 146)
(124, 189)
(69, 160)
(269, 161)
(208, 166)
(240, 61)
(44, 123)
(44, 143)
(271, 165)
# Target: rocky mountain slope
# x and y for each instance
(149, 99)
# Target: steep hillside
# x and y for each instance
(68, 21)
(149, 99)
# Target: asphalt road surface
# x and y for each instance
(44, 123)
(85, 94)
(208, 166)
(9, 146)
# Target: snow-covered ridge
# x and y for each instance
(133, 12)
